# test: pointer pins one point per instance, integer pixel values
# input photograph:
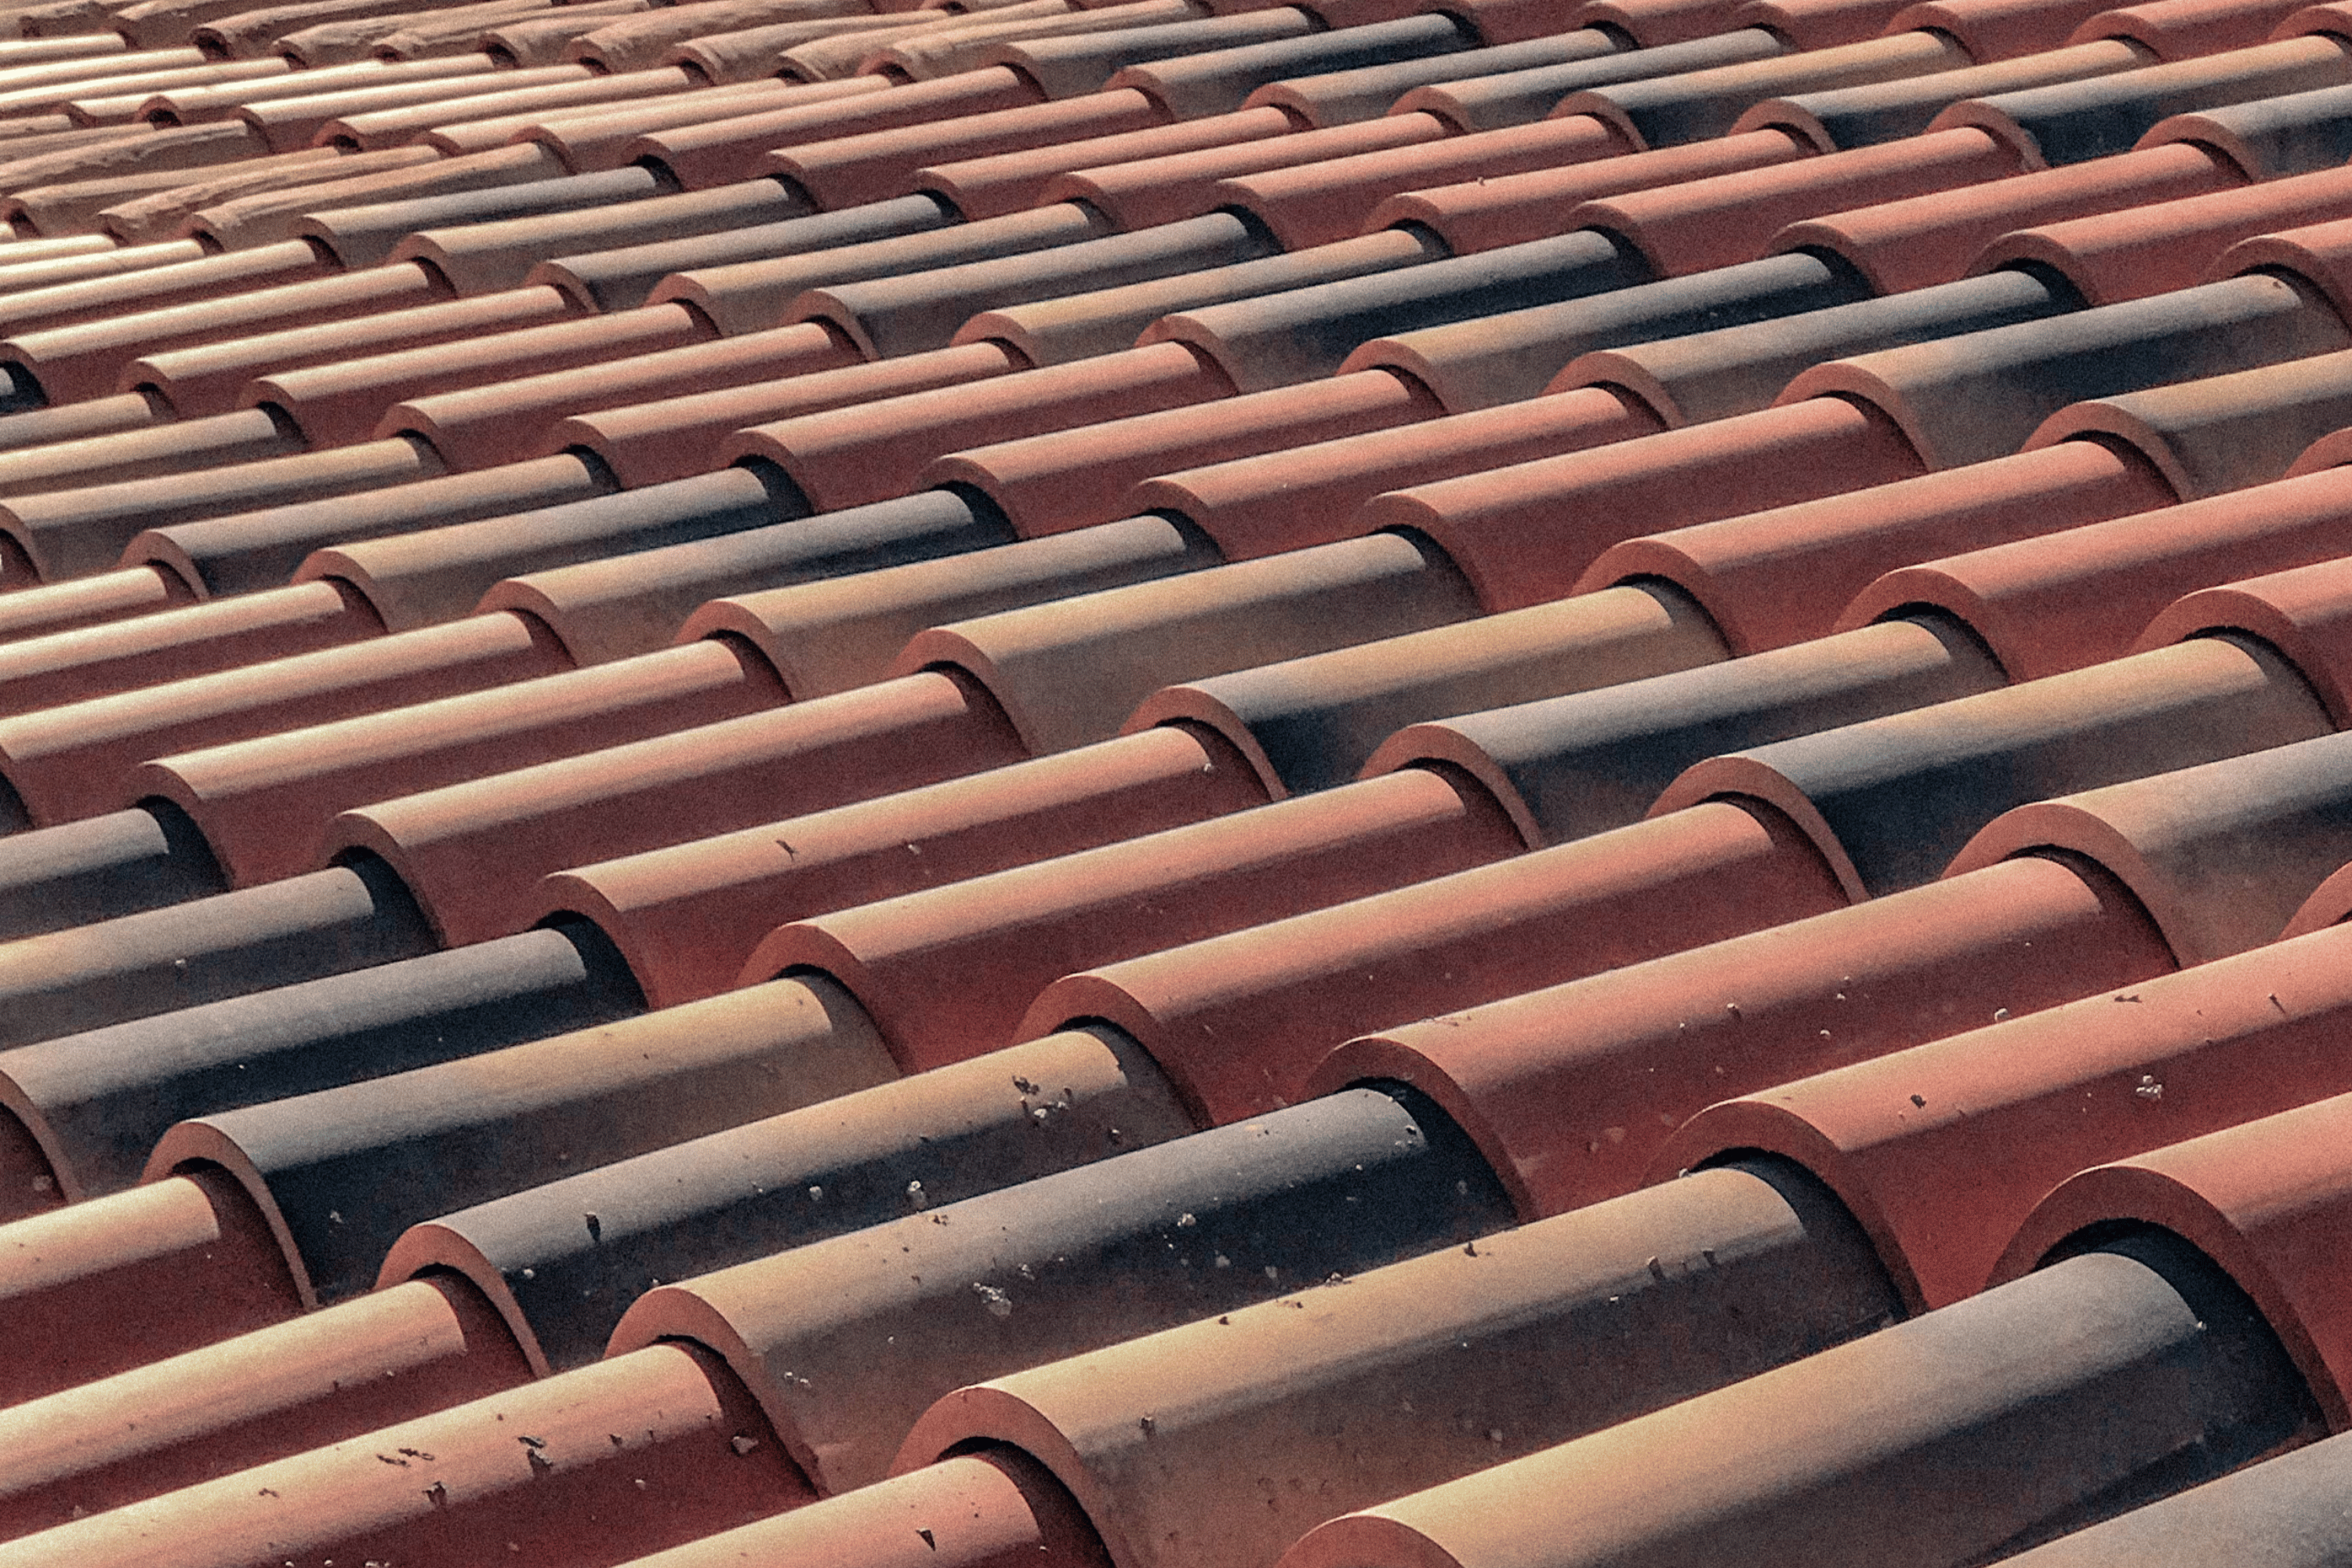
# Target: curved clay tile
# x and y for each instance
(481, 1127)
(1668, 111)
(1930, 239)
(2184, 29)
(1068, 65)
(1077, 479)
(98, 1112)
(1365, 92)
(1740, 369)
(2072, 122)
(689, 917)
(839, 1166)
(2226, 432)
(1056, 332)
(720, 152)
(1516, 354)
(1343, 1185)
(155, 1429)
(2219, 882)
(120, 1281)
(102, 518)
(2067, 599)
(1307, 495)
(745, 295)
(181, 643)
(568, 1495)
(589, 140)
(261, 219)
(672, 437)
(1318, 202)
(123, 595)
(1222, 80)
(1239, 1021)
(1709, 223)
(2164, 246)
(2007, 1111)
(251, 553)
(810, 755)
(906, 314)
(1307, 332)
(261, 801)
(1486, 214)
(988, 1509)
(1889, 800)
(1526, 533)
(432, 576)
(1849, 117)
(209, 377)
(86, 358)
(1818, 24)
(1571, 766)
(832, 635)
(874, 451)
(1162, 187)
(1071, 672)
(2295, 134)
(498, 421)
(839, 172)
(2265, 1200)
(1428, 1370)
(222, 439)
(504, 253)
(138, 965)
(72, 760)
(2302, 612)
(1966, 399)
(1572, 1090)
(157, 217)
(1313, 723)
(2065, 1398)
(1517, 97)
(364, 235)
(947, 971)
(628, 603)
(2281, 1514)
(371, 130)
(1008, 181)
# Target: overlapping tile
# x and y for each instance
(618, 619)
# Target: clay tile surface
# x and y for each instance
(852, 784)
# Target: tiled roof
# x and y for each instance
(1376, 784)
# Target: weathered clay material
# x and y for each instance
(122, 1281)
(1376, 1398)
(1776, 577)
(1351, 1182)
(632, 604)
(314, 1380)
(1569, 766)
(689, 917)
(1313, 723)
(136, 966)
(839, 1166)
(1859, 790)
(99, 1101)
(1572, 1092)
(1003, 937)
(474, 851)
(1824, 1461)
(2021, 1104)
(1240, 1021)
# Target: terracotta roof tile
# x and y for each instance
(768, 663)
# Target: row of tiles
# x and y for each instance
(535, 1468)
